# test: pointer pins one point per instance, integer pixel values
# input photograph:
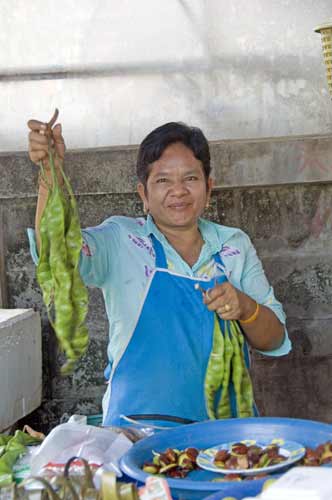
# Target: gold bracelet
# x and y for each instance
(252, 318)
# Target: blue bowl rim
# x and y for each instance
(187, 484)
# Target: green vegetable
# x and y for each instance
(15, 446)
(215, 369)
(224, 405)
(237, 370)
(247, 395)
(64, 293)
(227, 363)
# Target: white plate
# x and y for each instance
(290, 449)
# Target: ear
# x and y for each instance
(210, 184)
(142, 193)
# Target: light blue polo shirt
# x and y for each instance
(118, 257)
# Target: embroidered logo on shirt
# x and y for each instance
(148, 271)
(86, 249)
(142, 243)
(227, 251)
(140, 221)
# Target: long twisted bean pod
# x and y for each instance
(237, 371)
(247, 394)
(215, 369)
(224, 405)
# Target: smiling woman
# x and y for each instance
(176, 194)
(171, 351)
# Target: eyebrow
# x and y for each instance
(168, 172)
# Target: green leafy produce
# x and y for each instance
(14, 447)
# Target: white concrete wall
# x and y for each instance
(20, 364)
(238, 69)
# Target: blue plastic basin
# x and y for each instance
(207, 434)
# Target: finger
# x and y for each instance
(38, 153)
(57, 133)
(209, 295)
(213, 293)
(36, 125)
(233, 314)
(223, 287)
(221, 298)
(59, 141)
(37, 156)
(213, 305)
(36, 138)
(224, 308)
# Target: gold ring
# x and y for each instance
(227, 307)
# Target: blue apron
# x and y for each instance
(162, 369)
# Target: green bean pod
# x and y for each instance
(246, 384)
(224, 405)
(215, 369)
(237, 370)
(79, 294)
(43, 272)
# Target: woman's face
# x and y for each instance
(176, 192)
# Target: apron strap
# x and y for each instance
(161, 261)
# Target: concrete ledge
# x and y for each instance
(239, 163)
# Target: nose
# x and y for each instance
(179, 188)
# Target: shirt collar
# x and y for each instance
(214, 235)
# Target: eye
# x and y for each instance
(191, 178)
(161, 179)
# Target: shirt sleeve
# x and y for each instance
(255, 284)
(33, 245)
(99, 249)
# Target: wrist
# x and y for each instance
(45, 178)
(251, 316)
(248, 307)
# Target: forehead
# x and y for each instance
(176, 155)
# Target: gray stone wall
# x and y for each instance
(278, 190)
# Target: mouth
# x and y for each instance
(178, 206)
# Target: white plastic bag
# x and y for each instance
(97, 445)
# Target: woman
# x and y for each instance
(161, 326)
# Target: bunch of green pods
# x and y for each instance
(226, 364)
(64, 293)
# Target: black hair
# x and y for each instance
(155, 143)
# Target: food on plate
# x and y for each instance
(320, 455)
(172, 462)
(241, 456)
(177, 464)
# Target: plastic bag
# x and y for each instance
(99, 446)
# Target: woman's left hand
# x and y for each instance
(228, 302)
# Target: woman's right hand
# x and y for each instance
(40, 136)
